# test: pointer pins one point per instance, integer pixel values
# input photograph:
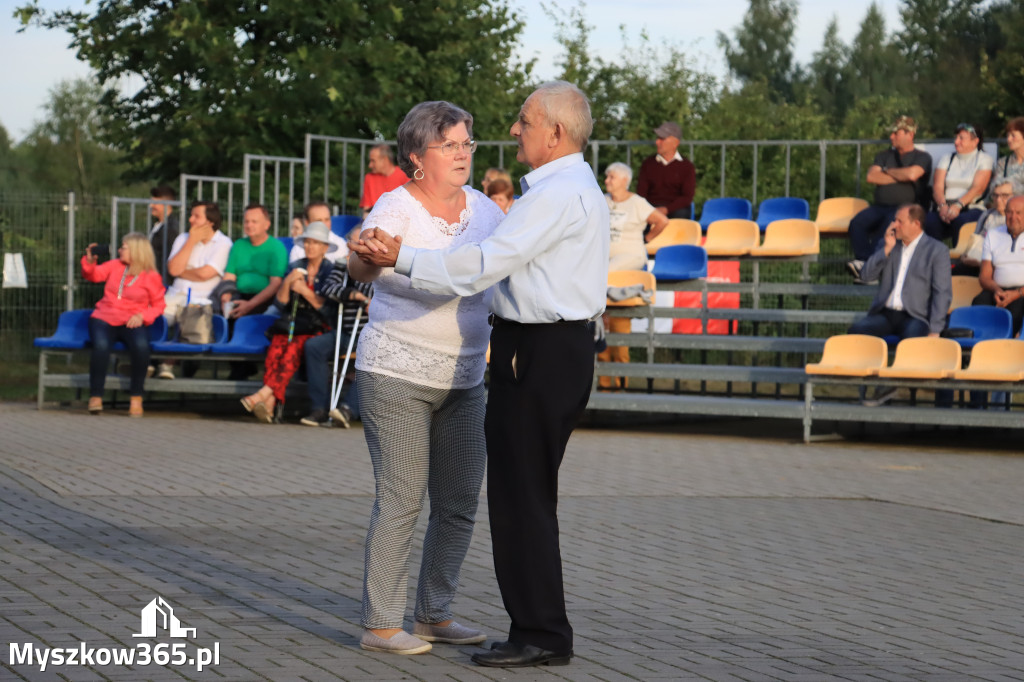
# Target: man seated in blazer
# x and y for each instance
(915, 286)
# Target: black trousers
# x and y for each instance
(541, 377)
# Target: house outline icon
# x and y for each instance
(158, 613)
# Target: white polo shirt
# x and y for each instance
(1007, 256)
(214, 252)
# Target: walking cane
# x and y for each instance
(295, 309)
(340, 378)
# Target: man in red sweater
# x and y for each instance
(667, 180)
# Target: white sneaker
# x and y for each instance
(150, 371)
(166, 372)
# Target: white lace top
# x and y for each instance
(432, 339)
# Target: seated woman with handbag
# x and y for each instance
(133, 297)
(307, 313)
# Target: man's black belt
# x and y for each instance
(495, 321)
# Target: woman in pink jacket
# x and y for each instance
(133, 297)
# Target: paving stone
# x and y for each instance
(690, 552)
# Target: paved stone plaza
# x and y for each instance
(693, 551)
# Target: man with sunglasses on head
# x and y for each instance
(900, 175)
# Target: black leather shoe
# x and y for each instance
(513, 655)
(499, 645)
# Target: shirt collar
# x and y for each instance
(913, 243)
(549, 168)
(663, 162)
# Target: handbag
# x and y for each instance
(307, 322)
(974, 249)
(195, 324)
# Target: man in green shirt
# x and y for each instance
(256, 266)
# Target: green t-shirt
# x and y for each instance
(253, 266)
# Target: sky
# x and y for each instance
(36, 60)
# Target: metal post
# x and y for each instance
(821, 176)
(277, 193)
(245, 180)
(722, 191)
(858, 169)
(754, 190)
(291, 196)
(327, 157)
(789, 149)
(184, 201)
(69, 290)
(113, 221)
(308, 169)
(263, 180)
(344, 174)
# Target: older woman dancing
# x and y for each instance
(419, 373)
(133, 297)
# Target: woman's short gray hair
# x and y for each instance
(564, 103)
(622, 169)
(426, 123)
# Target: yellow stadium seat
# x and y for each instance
(628, 278)
(732, 237)
(924, 357)
(834, 214)
(995, 360)
(851, 355)
(962, 242)
(964, 290)
(678, 231)
(789, 237)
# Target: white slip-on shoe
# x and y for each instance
(453, 633)
(399, 643)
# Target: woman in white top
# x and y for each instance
(419, 373)
(1011, 166)
(960, 184)
(630, 214)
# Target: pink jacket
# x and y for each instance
(145, 295)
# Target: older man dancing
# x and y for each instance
(549, 262)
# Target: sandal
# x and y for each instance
(261, 413)
(247, 404)
(95, 408)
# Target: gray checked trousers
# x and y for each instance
(421, 440)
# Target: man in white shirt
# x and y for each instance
(1002, 265)
(915, 283)
(548, 263)
(197, 262)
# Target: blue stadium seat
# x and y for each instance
(220, 335)
(341, 225)
(781, 208)
(288, 243)
(72, 331)
(987, 322)
(679, 262)
(724, 208)
(249, 337)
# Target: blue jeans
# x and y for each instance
(103, 336)
(319, 351)
(935, 227)
(888, 322)
(867, 227)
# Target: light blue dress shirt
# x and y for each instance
(548, 259)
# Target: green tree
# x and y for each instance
(1003, 71)
(217, 80)
(942, 44)
(874, 66)
(828, 87)
(762, 47)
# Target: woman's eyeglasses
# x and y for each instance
(452, 148)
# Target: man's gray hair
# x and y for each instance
(386, 150)
(563, 103)
(427, 123)
(620, 168)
